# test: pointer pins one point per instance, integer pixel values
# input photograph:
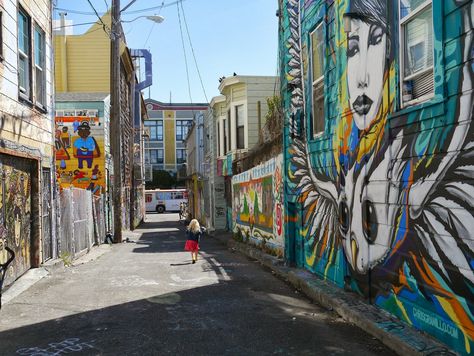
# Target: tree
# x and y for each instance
(162, 180)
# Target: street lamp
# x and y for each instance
(115, 111)
(154, 18)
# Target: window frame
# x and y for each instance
(401, 30)
(317, 81)
(183, 153)
(24, 93)
(2, 58)
(218, 138)
(238, 127)
(224, 124)
(229, 128)
(183, 125)
(41, 101)
(156, 156)
(154, 126)
(159, 125)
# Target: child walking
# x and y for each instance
(193, 235)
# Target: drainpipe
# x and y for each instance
(137, 117)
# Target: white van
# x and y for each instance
(161, 200)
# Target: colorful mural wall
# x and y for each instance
(80, 155)
(384, 193)
(257, 205)
(15, 214)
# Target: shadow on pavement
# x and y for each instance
(217, 319)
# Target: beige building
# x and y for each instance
(26, 135)
(239, 115)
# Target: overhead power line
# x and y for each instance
(76, 24)
(184, 51)
(104, 26)
(126, 12)
(192, 51)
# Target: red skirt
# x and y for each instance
(191, 245)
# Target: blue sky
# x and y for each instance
(228, 36)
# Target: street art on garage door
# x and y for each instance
(15, 214)
(257, 205)
(385, 189)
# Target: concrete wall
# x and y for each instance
(382, 198)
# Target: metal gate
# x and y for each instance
(46, 216)
(15, 214)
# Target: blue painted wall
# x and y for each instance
(381, 200)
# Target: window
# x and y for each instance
(159, 130)
(40, 82)
(229, 133)
(218, 139)
(180, 156)
(239, 119)
(156, 129)
(318, 50)
(1, 36)
(24, 57)
(163, 195)
(156, 156)
(177, 195)
(416, 22)
(225, 136)
(182, 127)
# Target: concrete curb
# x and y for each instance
(23, 283)
(400, 337)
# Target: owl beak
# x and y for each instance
(355, 251)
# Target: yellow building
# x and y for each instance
(168, 126)
(82, 65)
(74, 53)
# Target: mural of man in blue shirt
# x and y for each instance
(84, 146)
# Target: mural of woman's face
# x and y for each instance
(366, 48)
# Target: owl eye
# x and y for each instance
(369, 221)
(343, 217)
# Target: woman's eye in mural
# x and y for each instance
(369, 221)
(376, 35)
(343, 217)
(353, 46)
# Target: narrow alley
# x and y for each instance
(144, 297)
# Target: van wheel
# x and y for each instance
(160, 209)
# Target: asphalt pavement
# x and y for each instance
(145, 297)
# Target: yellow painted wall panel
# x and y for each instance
(169, 114)
(170, 140)
(87, 61)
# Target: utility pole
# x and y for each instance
(115, 119)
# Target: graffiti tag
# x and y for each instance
(57, 348)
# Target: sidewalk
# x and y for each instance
(34, 275)
(395, 334)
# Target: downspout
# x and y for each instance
(137, 113)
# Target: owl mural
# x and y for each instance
(393, 194)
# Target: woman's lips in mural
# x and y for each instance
(362, 104)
